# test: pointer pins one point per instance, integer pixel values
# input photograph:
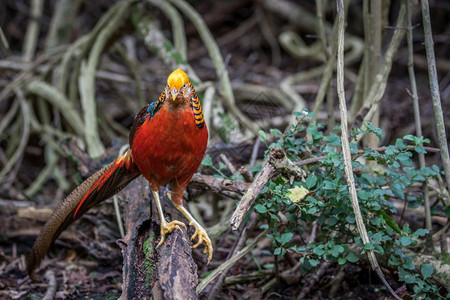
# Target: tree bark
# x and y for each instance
(167, 272)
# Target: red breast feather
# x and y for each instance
(169, 148)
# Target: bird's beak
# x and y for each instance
(174, 94)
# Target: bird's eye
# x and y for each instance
(185, 86)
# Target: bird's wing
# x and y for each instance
(147, 111)
(97, 188)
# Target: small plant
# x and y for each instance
(323, 198)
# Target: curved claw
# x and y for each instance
(168, 228)
(203, 237)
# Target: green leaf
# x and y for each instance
(350, 219)
(405, 241)
(369, 246)
(352, 257)
(390, 221)
(420, 232)
(426, 270)
(299, 249)
(400, 144)
(341, 260)
(339, 248)
(332, 221)
(319, 251)
(375, 221)
(263, 135)
(286, 238)
(207, 161)
(393, 261)
(311, 181)
(404, 158)
(406, 276)
(329, 185)
(419, 149)
(336, 250)
(277, 251)
(260, 208)
(275, 132)
(410, 137)
(314, 262)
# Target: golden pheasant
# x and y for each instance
(168, 139)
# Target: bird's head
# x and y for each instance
(178, 88)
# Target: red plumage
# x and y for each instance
(169, 148)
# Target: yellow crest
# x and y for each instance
(177, 79)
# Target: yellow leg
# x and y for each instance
(200, 232)
(165, 227)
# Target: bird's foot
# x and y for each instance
(203, 237)
(167, 228)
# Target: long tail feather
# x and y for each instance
(97, 188)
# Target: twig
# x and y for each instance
(327, 75)
(42, 177)
(336, 283)
(269, 36)
(379, 86)
(277, 162)
(229, 263)
(86, 81)
(7, 118)
(255, 150)
(58, 99)
(26, 74)
(346, 147)
(18, 154)
(52, 285)
(241, 278)
(374, 51)
(312, 236)
(266, 287)
(246, 174)
(65, 66)
(443, 244)
(418, 125)
(218, 185)
(62, 22)
(3, 39)
(434, 89)
(136, 71)
(240, 243)
(32, 33)
(228, 163)
(314, 279)
(116, 201)
(179, 36)
(321, 28)
(331, 119)
(358, 94)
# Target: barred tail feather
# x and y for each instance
(100, 186)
